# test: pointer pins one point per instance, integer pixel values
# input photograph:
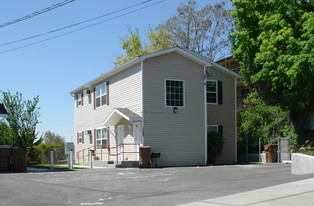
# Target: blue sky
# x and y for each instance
(53, 68)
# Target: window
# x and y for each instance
(101, 138)
(214, 92)
(90, 139)
(211, 88)
(174, 90)
(89, 99)
(79, 100)
(211, 128)
(216, 128)
(101, 95)
(80, 137)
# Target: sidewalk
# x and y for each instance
(293, 193)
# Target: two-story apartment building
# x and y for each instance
(168, 100)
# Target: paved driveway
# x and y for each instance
(165, 186)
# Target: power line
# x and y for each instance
(37, 13)
(44, 40)
(73, 25)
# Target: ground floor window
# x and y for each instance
(101, 138)
(80, 137)
(211, 128)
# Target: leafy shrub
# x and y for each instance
(215, 144)
(41, 153)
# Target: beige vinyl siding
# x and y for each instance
(124, 91)
(180, 138)
(224, 115)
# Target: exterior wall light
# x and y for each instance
(175, 110)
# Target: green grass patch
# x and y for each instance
(55, 166)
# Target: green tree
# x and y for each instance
(257, 120)
(273, 42)
(159, 39)
(203, 31)
(22, 118)
(132, 46)
(5, 134)
(52, 138)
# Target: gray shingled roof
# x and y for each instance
(2, 109)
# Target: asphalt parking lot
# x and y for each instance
(133, 186)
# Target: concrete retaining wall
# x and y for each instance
(302, 164)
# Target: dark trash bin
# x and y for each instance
(5, 158)
(144, 157)
(271, 153)
(19, 159)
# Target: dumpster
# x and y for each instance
(271, 153)
(19, 159)
(144, 157)
(5, 158)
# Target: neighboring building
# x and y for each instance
(167, 100)
(242, 91)
(3, 112)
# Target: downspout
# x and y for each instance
(235, 120)
(142, 132)
(205, 114)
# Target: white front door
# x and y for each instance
(120, 141)
(137, 138)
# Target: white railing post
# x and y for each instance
(51, 158)
(278, 148)
(71, 159)
(91, 158)
(259, 150)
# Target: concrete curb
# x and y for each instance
(302, 164)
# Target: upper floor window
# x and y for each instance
(214, 91)
(79, 100)
(101, 138)
(101, 95)
(211, 89)
(174, 90)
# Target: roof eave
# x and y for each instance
(106, 75)
(193, 56)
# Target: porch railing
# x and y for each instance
(122, 151)
(84, 154)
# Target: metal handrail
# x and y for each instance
(78, 154)
(108, 152)
(123, 152)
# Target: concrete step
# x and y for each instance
(128, 164)
(122, 164)
(99, 163)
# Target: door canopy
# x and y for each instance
(118, 113)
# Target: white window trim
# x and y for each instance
(213, 126)
(100, 128)
(165, 92)
(101, 95)
(209, 80)
(80, 137)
